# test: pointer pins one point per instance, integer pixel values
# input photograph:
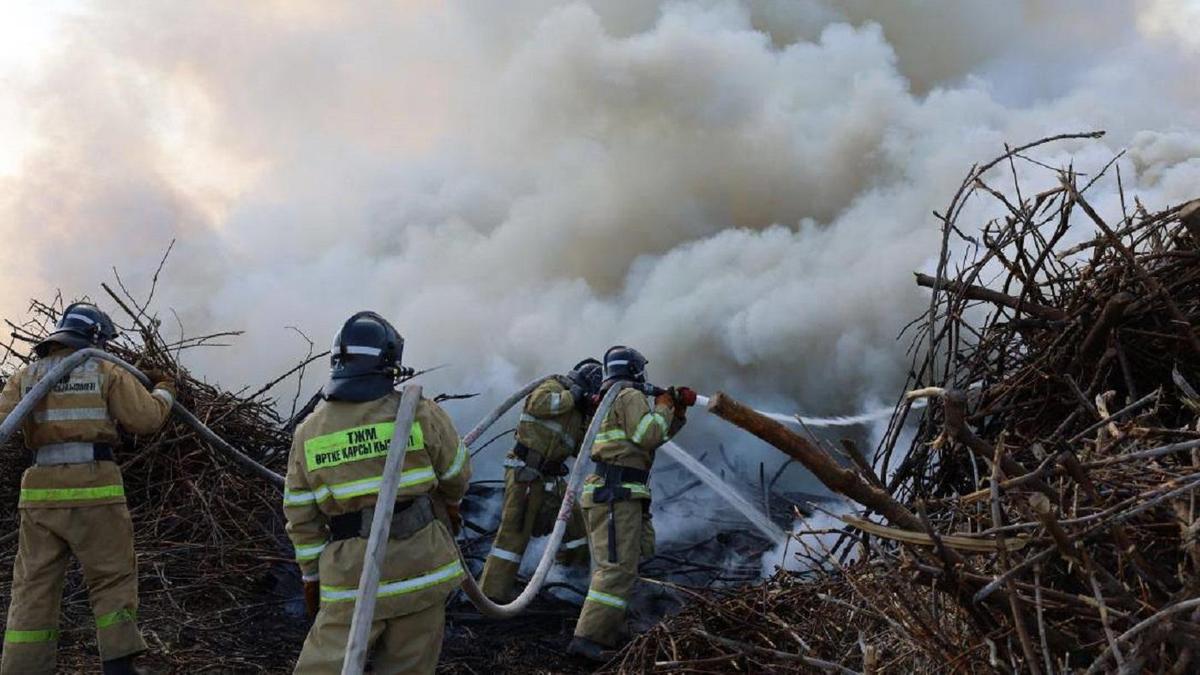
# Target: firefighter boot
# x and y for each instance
(123, 666)
(592, 651)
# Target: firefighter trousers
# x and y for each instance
(603, 617)
(101, 537)
(401, 644)
(528, 511)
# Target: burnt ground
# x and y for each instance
(219, 593)
(535, 642)
(209, 608)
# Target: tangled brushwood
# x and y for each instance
(217, 589)
(1044, 518)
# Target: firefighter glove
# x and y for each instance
(578, 396)
(665, 400)
(685, 396)
(161, 380)
(156, 375)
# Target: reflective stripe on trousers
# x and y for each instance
(500, 553)
(71, 494)
(114, 618)
(607, 599)
(18, 637)
(312, 552)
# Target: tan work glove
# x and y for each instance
(455, 517)
(665, 400)
(161, 380)
(312, 598)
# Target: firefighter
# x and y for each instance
(549, 433)
(72, 499)
(334, 472)
(616, 499)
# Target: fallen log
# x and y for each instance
(841, 480)
(850, 483)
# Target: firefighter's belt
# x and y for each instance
(408, 518)
(536, 461)
(619, 483)
(615, 474)
(73, 453)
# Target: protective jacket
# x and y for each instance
(72, 501)
(551, 423)
(616, 506)
(633, 429)
(549, 434)
(84, 408)
(336, 468)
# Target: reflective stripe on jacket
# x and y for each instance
(336, 467)
(550, 422)
(633, 429)
(85, 407)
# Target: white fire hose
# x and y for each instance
(582, 461)
(58, 372)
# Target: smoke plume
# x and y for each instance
(739, 189)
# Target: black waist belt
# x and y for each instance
(536, 461)
(615, 474)
(408, 518)
(613, 491)
(73, 453)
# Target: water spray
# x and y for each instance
(578, 468)
(822, 422)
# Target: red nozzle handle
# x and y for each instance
(685, 396)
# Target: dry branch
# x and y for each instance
(1041, 446)
(986, 294)
(213, 559)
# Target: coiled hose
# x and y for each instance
(57, 373)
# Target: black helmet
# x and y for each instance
(81, 325)
(364, 360)
(588, 374)
(624, 363)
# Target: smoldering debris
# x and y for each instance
(1044, 517)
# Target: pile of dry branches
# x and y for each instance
(1044, 517)
(217, 586)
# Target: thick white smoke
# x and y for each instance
(740, 189)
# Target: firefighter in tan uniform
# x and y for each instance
(616, 499)
(551, 428)
(333, 478)
(72, 500)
